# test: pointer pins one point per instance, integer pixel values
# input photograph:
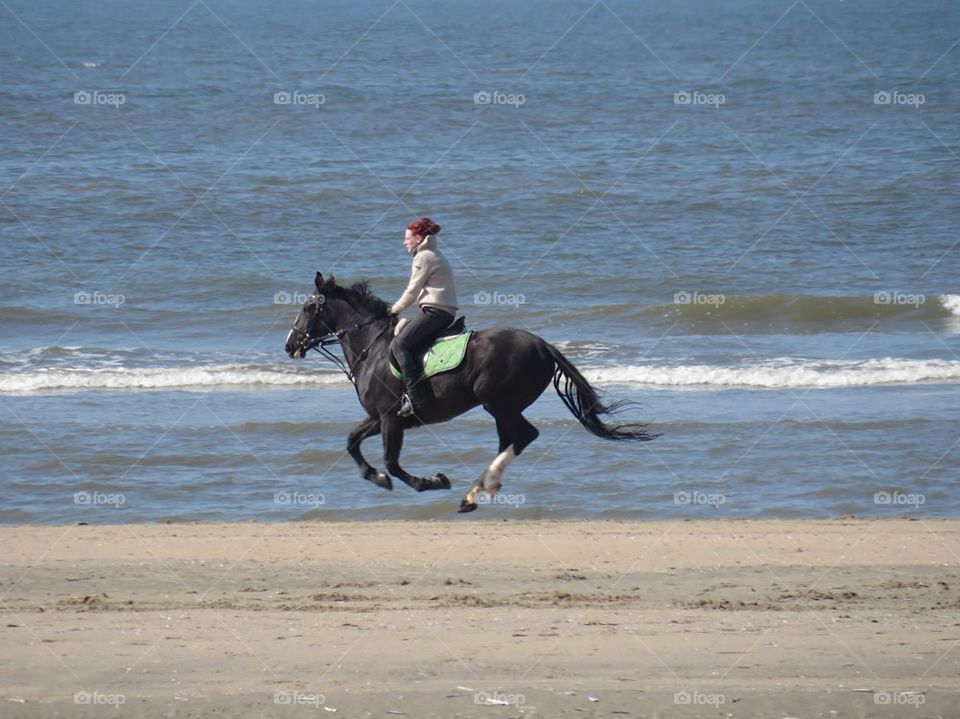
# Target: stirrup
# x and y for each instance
(406, 406)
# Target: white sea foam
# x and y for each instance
(783, 373)
(952, 303)
(770, 374)
(200, 378)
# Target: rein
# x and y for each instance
(322, 346)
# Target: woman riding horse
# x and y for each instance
(503, 370)
(431, 285)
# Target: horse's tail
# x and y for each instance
(582, 400)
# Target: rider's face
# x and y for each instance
(410, 241)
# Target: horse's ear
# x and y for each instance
(319, 282)
(331, 280)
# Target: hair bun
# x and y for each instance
(424, 226)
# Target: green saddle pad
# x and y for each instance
(446, 353)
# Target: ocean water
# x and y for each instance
(742, 216)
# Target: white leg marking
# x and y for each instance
(471, 497)
(491, 480)
(503, 460)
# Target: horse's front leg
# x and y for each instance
(367, 428)
(392, 429)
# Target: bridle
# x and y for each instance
(309, 340)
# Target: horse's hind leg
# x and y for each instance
(367, 428)
(515, 434)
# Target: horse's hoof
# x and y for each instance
(441, 479)
(382, 480)
(466, 506)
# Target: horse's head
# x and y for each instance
(315, 322)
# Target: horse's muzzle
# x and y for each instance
(294, 346)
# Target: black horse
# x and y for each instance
(505, 370)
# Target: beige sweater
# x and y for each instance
(431, 280)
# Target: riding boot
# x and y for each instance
(412, 398)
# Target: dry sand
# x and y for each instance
(467, 618)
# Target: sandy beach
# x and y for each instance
(482, 619)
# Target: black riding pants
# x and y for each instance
(425, 326)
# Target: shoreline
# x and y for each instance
(850, 617)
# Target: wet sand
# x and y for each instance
(472, 618)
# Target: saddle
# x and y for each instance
(458, 326)
(445, 352)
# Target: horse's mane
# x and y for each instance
(360, 296)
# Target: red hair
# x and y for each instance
(423, 227)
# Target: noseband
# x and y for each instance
(308, 341)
